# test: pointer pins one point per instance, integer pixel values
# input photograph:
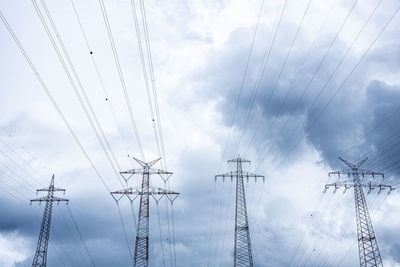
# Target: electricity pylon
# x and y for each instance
(367, 245)
(141, 256)
(40, 259)
(242, 250)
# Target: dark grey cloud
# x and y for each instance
(361, 106)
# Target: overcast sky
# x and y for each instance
(289, 85)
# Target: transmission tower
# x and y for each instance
(242, 250)
(40, 259)
(355, 177)
(141, 256)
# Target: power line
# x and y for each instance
(78, 95)
(121, 76)
(48, 93)
(99, 76)
(242, 82)
(80, 236)
(315, 73)
(299, 71)
(340, 87)
(277, 79)
(262, 69)
(24, 196)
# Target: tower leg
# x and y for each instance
(40, 259)
(242, 251)
(367, 245)
(141, 257)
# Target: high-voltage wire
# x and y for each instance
(71, 235)
(144, 72)
(80, 236)
(22, 159)
(48, 93)
(338, 89)
(16, 164)
(104, 144)
(99, 76)
(306, 88)
(242, 81)
(292, 83)
(19, 177)
(276, 81)
(232, 122)
(300, 67)
(121, 76)
(336, 250)
(260, 75)
(24, 196)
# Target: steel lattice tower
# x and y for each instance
(242, 250)
(141, 256)
(40, 259)
(367, 245)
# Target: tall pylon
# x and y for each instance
(141, 256)
(242, 250)
(368, 250)
(40, 259)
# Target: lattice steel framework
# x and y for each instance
(242, 250)
(40, 259)
(141, 255)
(367, 245)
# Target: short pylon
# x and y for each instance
(242, 250)
(40, 259)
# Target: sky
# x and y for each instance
(289, 85)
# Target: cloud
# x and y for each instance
(200, 49)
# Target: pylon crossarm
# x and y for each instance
(117, 195)
(252, 175)
(59, 199)
(123, 191)
(366, 173)
(345, 184)
(226, 175)
(157, 194)
(40, 200)
(158, 171)
(338, 173)
(52, 189)
(238, 160)
(132, 171)
(152, 191)
(371, 185)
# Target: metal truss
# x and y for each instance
(40, 259)
(242, 250)
(368, 250)
(141, 255)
